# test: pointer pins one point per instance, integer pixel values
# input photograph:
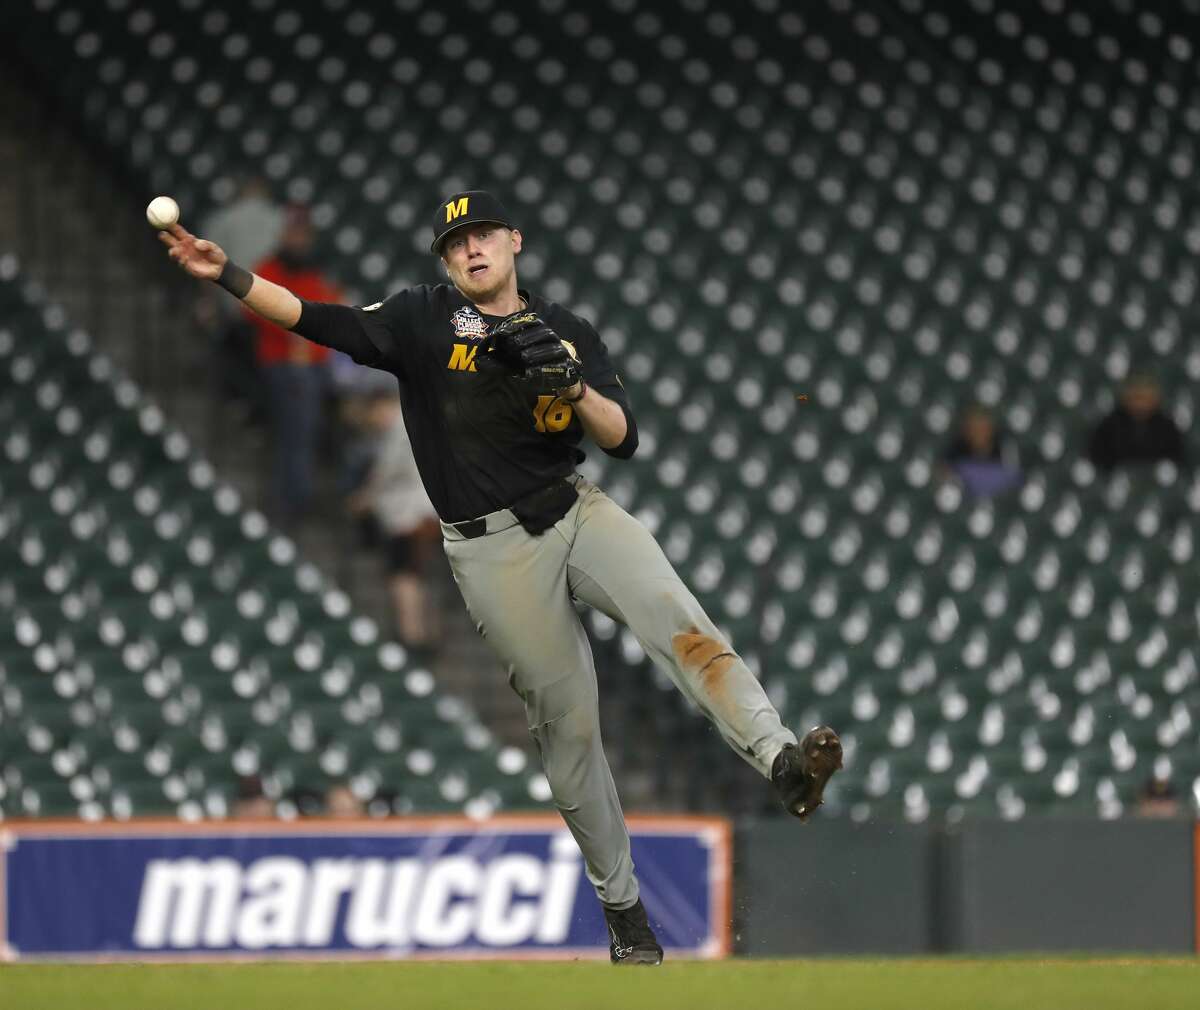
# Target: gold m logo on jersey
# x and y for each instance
(462, 358)
(456, 208)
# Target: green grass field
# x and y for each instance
(834, 984)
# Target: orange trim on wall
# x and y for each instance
(665, 823)
(1196, 884)
(724, 917)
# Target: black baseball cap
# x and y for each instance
(470, 207)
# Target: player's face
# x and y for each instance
(480, 260)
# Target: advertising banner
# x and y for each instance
(512, 886)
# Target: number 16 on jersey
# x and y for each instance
(551, 413)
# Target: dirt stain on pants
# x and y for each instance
(709, 659)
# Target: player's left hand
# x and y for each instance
(525, 346)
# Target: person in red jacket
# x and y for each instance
(295, 370)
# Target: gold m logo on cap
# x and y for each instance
(456, 208)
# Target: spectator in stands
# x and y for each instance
(355, 388)
(295, 371)
(983, 462)
(341, 803)
(250, 226)
(1157, 798)
(252, 803)
(1138, 430)
(395, 498)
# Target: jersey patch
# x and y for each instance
(468, 324)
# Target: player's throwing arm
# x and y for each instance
(207, 261)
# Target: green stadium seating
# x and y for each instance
(892, 209)
(154, 644)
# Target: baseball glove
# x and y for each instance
(524, 346)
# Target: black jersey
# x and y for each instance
(481, 440)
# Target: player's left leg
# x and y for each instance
(616, 565)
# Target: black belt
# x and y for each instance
(470, 528)
(536, 511)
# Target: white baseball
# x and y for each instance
(162, 212)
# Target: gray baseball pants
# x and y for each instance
(519, 590)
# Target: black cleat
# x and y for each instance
(800, 773)
(631, 940)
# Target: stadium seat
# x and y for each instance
(872, 241)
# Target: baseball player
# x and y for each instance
(499, 387)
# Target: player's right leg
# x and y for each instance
(514, 586)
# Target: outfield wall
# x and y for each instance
(516, 887)
(441, 887)
(1032, 885)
